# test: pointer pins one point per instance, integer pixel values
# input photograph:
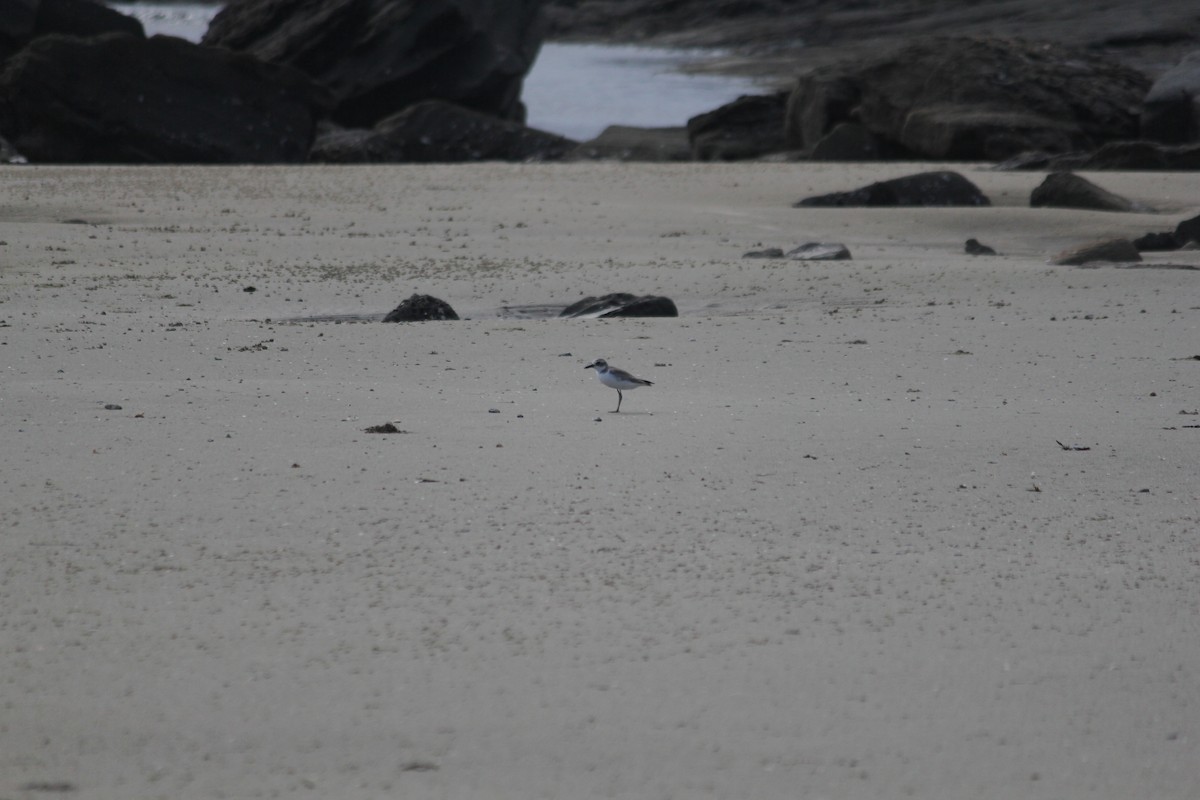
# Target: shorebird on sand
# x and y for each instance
(615, 378)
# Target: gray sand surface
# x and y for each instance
(836, 551)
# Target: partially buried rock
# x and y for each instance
(974, 247)
(770, 252)
(923, 189)
(818, 251)
(621, 304)
(1120, 251)
(1068, 190)
(421, 307)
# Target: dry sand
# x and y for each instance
(834, 552)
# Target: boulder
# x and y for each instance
(621, 304)
(438, 132)
(420, 308)
(22, 21)
(119, 98)
(627, 143)
(769, 252)
(1121, 251)
(378, 57)
(922, 189)
(749, 127)
(1067, 190)
(1171, 109)
(976, 98)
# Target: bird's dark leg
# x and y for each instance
(620, 397)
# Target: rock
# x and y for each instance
(848, 141)
(749, 127)
(1162, 241)
(1115, 250)
(817, 251)
(922, 189)
(626, 143)
(119, 98)
(378, 57)
(978, 98)
(1188, 231)
(438, 132)
(782, 37)
(1135, 155)
(1067, 190)
(22, 21)
(770, 252)
(974, 247)
(419, 308)
(621, 304)
(1171, 109)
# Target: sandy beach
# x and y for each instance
(918, 524)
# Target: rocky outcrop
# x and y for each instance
(437, 132)
(782, 38)
(750, 126)
(120, 98)
(621, 304)
(1137, 155)
(922, 189)
(1171, 111)
(420, 308)
(22, 21)
(940, 98)
(378, 57)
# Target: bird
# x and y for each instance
(616, 379)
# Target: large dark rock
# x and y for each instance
(437, 132)
(378, 57)
(420, 308)
(1188, 231)
(922, 189)
(621, 304)
(1067, 190)
(972, 98)
(1171, 110)
(22, 21)
(848, 141)
(749, 127)
(119, 98)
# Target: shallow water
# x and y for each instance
(575, 90)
